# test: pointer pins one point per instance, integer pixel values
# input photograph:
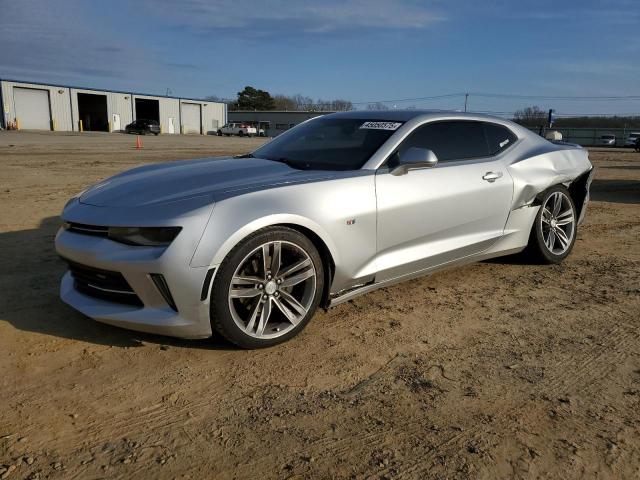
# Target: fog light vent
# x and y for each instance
(163, 288)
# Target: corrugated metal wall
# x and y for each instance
(213, 117)
(59, 101)
(168, 107)
(118, 103)
(65, 115)
(273, 122)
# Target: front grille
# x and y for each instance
(103, 284)
(81, 228)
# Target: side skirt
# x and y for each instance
(351, 294)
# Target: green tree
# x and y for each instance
(253, 99)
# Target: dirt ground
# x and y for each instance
(496, 370)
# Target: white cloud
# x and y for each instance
(280, 16)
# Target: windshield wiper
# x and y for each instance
(244, 155)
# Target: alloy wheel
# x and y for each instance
(558, 223)
(272, 289)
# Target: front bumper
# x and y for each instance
(136, 264)
(153, 313)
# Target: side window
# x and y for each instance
(499, 137)
(450, 140)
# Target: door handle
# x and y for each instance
(491, 176)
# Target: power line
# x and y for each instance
(417, 99)
(546, 97)
(508, 96)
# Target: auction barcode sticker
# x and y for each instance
(381, 125)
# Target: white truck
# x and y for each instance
(237, 128)
(631, 139)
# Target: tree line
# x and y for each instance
(536, 117)
(251, 98)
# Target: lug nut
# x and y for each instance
(260, 287)
(277, 293)
(264, 297)
(279, 281)
(269, 277)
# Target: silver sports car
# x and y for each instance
(250, 246)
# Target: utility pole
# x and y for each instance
(466, 98)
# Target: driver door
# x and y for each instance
(432, 216)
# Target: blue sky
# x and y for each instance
(360, 50)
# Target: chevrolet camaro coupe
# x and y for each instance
(249, 247)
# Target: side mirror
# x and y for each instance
(415, 158)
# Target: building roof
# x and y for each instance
(55, 85)
(302, 112)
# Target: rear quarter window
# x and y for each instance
(499, 137)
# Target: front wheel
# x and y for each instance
(267, 289)
(554, 231)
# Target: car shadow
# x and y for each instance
(29, 282)
(616, 191)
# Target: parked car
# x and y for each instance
(333, 208)
(235, 128)
(143, 126)
(631, 139)
(608, 140)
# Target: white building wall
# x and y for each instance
(59, 101)
(119, 103)
(169, 107)
(213, 117)
(64, 107)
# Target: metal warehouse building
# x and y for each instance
(273, 122)
(36, 106)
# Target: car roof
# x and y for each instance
(428, 115)
(406, 115)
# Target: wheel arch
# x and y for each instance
(325, 254)
(578, 191)
(306, 227)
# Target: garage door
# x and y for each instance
(32, 108)
(191, 118)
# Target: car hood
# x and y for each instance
(214, 177)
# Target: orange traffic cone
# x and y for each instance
(138, 142)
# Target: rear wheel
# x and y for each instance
(554, 231)
(241, 133)
(267, 289)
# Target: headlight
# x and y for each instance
(144, 236)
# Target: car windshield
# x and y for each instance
(608, 137)
(329, 143)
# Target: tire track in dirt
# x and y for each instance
(622, 340)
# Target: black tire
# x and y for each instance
(156, 133)
(219, 133)
(241, 133)
(537, 250)
(221, 317)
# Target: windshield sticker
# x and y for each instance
(381, 125)
(503, 143)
